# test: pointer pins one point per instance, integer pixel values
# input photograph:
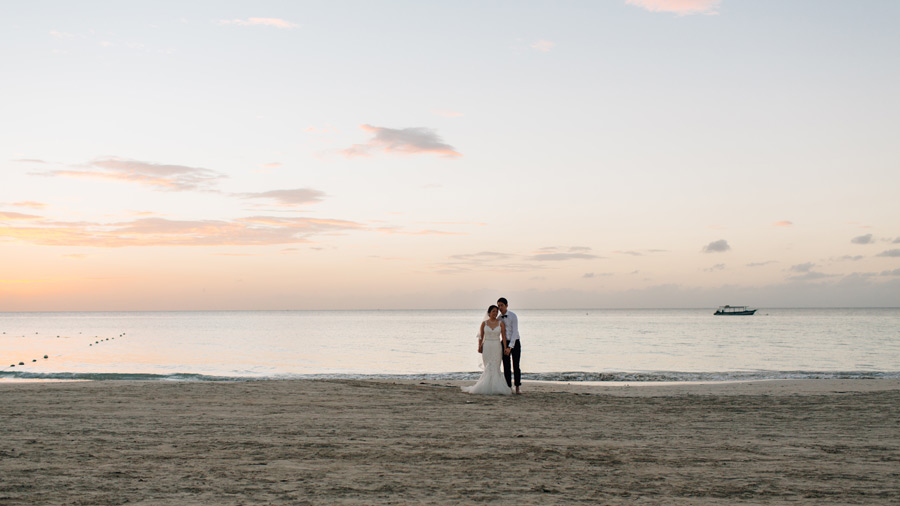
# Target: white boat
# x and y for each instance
(734, 310)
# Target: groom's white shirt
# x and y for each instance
(512, 327)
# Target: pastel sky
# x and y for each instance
(405, 154)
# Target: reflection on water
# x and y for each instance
(288, 343)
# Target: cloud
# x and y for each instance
(641, 253)
(492, 261)
(159, 176)
(849, 258)
(9, 216)
(805, 267)
(553, 254)
(400, 231)
(897, 240)
(760, 264)
(543, 46)
(889, 253)
(273, 22)
(30, 204)
(588, 275)
(714, 268)
(719, 246)
(416, 140)
(680, 7)
(254, 230)
(783, 224)
(863, 239)
(811, 276)
(288, 198)
(484, 256)
(562, 257)
(806, 273)
(895, 272)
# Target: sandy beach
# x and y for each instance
(381, 442)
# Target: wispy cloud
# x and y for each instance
(30, 204)
(401, 231)
(811, 276)
(889, 253)
(760, 264)
(553, 254)
(273, 22)
(483, 256)
(714, 268)
(158, 176)
(719, 246)
(415, 140)
(9, 216)
(680, 7)
(635, 253)
(562, 257)
(492, 261)
(543, 46)
(255, 230)
(805, 272)
(804, 267)
(287, 198)
(863, 239)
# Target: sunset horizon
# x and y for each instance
(294, 156)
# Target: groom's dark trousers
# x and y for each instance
(508, 371)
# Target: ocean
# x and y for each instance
(626, 345)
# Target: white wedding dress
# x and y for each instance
(492, 380)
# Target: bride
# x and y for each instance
(491, 344)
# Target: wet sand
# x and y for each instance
(374, 442)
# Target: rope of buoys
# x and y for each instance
(46, 357)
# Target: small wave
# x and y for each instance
(573, 376)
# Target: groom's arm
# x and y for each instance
(514, 328)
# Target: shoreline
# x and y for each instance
(402, 442)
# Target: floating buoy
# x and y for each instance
(21, 363)
(34, 360)
(45, 356)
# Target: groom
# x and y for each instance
(512, 337)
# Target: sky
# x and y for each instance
(224, 155)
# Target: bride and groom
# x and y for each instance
(498, 342)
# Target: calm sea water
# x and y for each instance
(569, 345)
